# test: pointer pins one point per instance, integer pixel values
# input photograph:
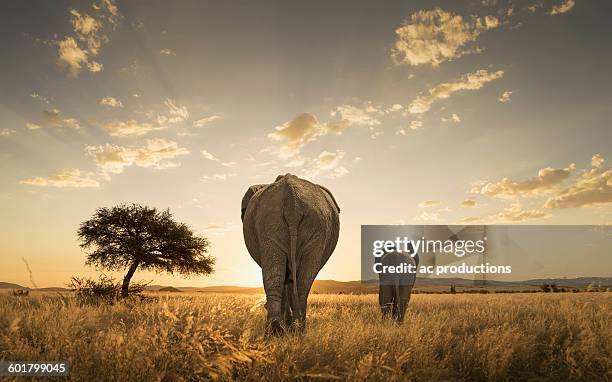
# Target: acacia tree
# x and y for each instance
(139, 237)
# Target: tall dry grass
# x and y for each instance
(194, 337)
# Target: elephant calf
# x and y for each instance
(290, 229)
(395, 288)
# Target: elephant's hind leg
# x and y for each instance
(286, 304)
(273, 268)
(403, 300)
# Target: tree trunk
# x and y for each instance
(128, 277)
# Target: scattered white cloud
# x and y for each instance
(431, 37)
(470, 81)
(361, 116)
(206, 120)
(395, 107)
(219, 229)
(65, 178)
(156, 153)
(111, 101)
(416, 124)
(326, 164)
(563, 7)
(505, 97)
(55, 118)
(130, 127)
(430, 204)
(296, 133)
(33, 126)
(71, 55)
(221, 177)
(591, 188)
(40, 98)
(516, 214)
(429, 217)
(597, 160)
(77, 51)
(6, 132)
(454, 118)
(534, 7)
(176, 113)
(213, 158)
(546, 181)
(167, 52)
(469, 220)
(490, 22)
(469, 203)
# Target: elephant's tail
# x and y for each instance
(292, 218)
(292, 255)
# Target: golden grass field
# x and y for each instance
(553, 337)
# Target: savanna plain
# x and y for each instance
(201, 336)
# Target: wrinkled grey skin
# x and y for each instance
(394, 288)
(290, 229)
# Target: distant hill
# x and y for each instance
(358, 287)
(52, 289)
(169, 289)
(4, 285)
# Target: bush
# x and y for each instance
(103, 290)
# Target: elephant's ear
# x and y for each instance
(247, 198)
(330, 197)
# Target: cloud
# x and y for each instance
(454, 118)
(305, 127)
(111, 101)
(78, 50)
(213, 158)
(6, 132)
(206, 120)
(40, 98)
(221, 177)
(65, 178)
(490, 22)
(591, 188)
(327, 165)
(469, 220)
(563, 7)
(469, 203)
(156, 153)
(429, 203)
(175, 114)
(505, 97)
(71, 55)
(470, 81)
(516, 214)
(33, 126)
(337, 127)
(363, 116)
(130, 127)
(55, 118)
(86, 28)
(416, 124)
(597, 160)
(431, 37)
(429, 216)
(296, 133)
(219, 229)
(167, 52)
(328, 160)
(546, 181)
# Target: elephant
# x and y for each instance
(395, 288)
(290, 229)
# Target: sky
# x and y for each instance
(420, 112)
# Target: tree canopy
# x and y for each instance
(140, 237)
